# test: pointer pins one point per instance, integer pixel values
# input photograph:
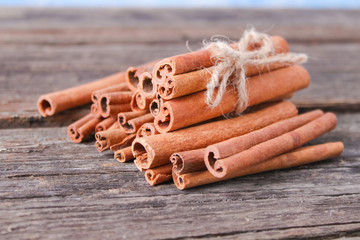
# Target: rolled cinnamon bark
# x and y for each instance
(83, 127)
(114, 102)
(185, 111)
(159, 175)
(238, 144)
(107, 138)
(232, 165)
(197, 60)
(131, 121)
(147, 87)
(187, 83)
(105, 124)
(124, 155)
(126, 142)
(155, 150)
(297, 157)
(95, 109)
(138, 164)
(155, 105)
(55, 102)
(115, 125)
(133, 74)
(121, 87)
(188, 161)
(147, 129)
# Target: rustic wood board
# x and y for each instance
(52, 188)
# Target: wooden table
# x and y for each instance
(51, 188)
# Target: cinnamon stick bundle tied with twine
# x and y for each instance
(254, 48)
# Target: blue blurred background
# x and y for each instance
(330, 4)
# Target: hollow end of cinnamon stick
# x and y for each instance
(146, 85)
(163, 122)
(154, 107)
(177, 161)
(162, 69)
(131, 78)
(46, 106)
(74, 134)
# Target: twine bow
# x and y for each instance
(230, 67)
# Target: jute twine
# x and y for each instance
(230, 65)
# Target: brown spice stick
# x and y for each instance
(197, 60)
(155, 105)
(193, 160)
(232, 165)
(297, 157)
(124, 155)
(95, 96)
(107, 138)
(147, 129)
(133, 74)
(124, 120)
(83, 127)
(126, 142)
(95, 109)
(155, 150)
(155, 176)
(185, 111)
(147, 87)
(55, 102)
(238, 144)
(188, 161)
(105, 124)
(188, 83)
(115, 125)
(138, 164)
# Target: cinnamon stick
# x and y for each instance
(188, 161)
(187, 83)
(238, 144)
(126, 142)
(105, 124)
(58, 101)
(133, 74)
(193, 160)
(297, 157)
(94, 109)
(95, 96)
(147, 129)
(83, 127)
(197, 60)
(107, 138)
(129, 121)
(232, 165)
(185, 111)
(155, 105)
(114, 102)
(153, 151)
(147, 87)
(124, 155)
(159, 175)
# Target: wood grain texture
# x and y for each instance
(83, 26)
(52, 188)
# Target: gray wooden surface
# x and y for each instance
(51, 188)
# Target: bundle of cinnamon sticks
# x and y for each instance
(157, 114)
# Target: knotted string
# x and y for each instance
(230, 65)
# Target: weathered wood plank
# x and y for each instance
(82, 26)
(52, 188)
(43, 69)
